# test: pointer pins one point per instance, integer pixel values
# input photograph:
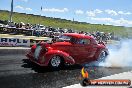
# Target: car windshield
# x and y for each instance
(64, 37)
(67, 38)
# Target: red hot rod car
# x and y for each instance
(70, 48)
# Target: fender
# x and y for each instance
(67, 58)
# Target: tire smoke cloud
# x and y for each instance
(120, 55)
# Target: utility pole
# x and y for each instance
(40, 15)
(11, 11)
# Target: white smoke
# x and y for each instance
(121, 56)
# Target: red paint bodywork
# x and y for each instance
(72, 53)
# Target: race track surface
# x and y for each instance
(16, 71)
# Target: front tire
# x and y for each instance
(55, 62)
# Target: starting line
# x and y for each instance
(124, 75)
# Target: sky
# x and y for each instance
(109, 12)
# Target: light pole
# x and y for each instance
(40, 15)
(11, 11)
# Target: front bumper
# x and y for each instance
(30, 56)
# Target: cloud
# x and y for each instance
(55, 10)
(90, 13)
(115, 13)
(29, 9)
(22, 8)
(79, 12)
(19, 7)
(98, 11)
(102, 19)
(24, 0)
(94, 12)
(119, 22)
(124, 13)
(111, 12)
(122, 21)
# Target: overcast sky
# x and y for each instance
(113, 12)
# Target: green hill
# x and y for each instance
(63, 23)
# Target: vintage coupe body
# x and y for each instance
(70, 48)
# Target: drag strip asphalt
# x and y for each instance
(16, 71)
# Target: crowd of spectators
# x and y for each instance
(43, 31)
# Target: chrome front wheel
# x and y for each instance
(55, 61)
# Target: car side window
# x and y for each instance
(73, 40)
(84, 41)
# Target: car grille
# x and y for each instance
(37, 52)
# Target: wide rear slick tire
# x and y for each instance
(102, 56)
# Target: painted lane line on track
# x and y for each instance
(124, 75)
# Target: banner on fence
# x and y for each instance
(14, 42)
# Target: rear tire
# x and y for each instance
(102, 56)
